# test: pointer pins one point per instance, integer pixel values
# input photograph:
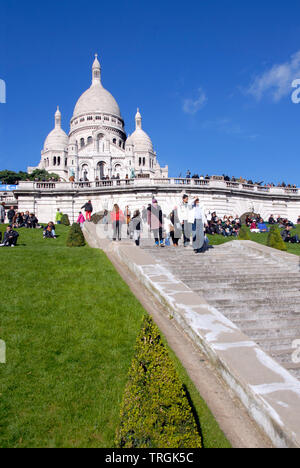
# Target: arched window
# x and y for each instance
(144, 161)
(140, 161)
(81, 142)
(58, 160)
(54, 161)
(115, 141)
(89, 140)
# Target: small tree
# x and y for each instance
(155, 412)
(65, 220)
(75, 237)
(244, 233)
(274, 238)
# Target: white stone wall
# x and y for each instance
(45, 201)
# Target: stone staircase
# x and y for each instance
(258, 292)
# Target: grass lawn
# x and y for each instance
(70, 324)
(260, 238)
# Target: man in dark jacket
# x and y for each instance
(10, 238)
(11, 214)
(88, 207)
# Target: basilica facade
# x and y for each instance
(97, 146)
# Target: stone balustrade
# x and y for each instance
(214, 182)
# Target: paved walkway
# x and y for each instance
(260, 294)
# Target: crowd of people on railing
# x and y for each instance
(240, 180)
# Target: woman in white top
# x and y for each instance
(198, 226)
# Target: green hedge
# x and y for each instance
(75, 237)
(274, 238)
(244, 233)
(65, 220)
(155, 412)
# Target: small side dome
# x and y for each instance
(141, 141)
(139, 138)
(57, 138)
(129, 141)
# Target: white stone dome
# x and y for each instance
(141, 141)
(57, 138)
(96, 98)
(139, 138)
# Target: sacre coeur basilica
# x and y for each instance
(98, 161)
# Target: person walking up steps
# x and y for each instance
(88, 207)
(136, 227)
(198, 226)
(186, 216)
(155, 222)
(117, 219)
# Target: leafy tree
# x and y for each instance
(42, 174)
(12, 177)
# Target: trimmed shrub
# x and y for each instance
(274, 238)
(155, 412)
(244, 233)
(96, 217)
(65, 220)
(75, 237)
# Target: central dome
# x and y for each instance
(96, 98)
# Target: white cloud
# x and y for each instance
(276, 82)
(192, 106)
(228, 127)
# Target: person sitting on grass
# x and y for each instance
(262, 226)
(288, 237)
(10, 238)
(20, 220)
(227, 229)
(49, 231)
(253, 227)
(31, 221)
(272, 220)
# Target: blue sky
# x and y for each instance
(212, 79)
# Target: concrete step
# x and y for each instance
(274, 343)
(246, 294)
(259, 315)
(269, 323)
(243, 283)
(257, 302)
(257, 333)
